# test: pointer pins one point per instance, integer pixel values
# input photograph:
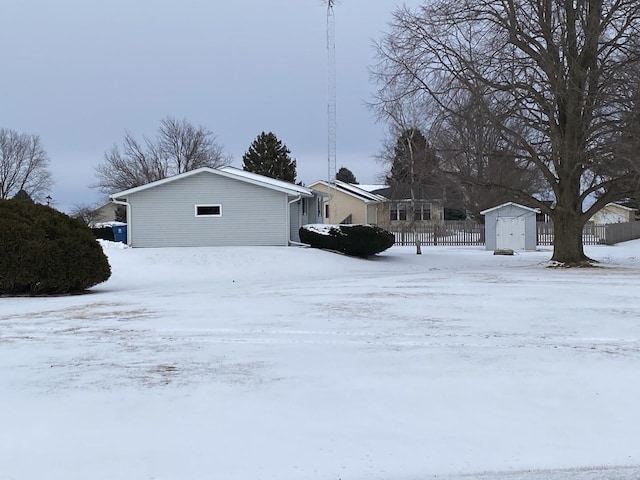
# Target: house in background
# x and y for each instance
(431, 204)
(614, 213)
(348, 203)
(109, 212)
(217, 207)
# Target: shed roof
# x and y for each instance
(228, 172)
(510, 204)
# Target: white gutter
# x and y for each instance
(292, 242)
(120, 202)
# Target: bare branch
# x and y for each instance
(178, 147)
(24, 165)
(557, 80)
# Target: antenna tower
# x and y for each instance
(331, 99)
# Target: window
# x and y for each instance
(397, 211)
(208, 210)
(326, 211)
(422, 211)
(304, 206)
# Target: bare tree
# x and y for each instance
(409, 162)
(24, 165)
(178, 147)
(559, 72)
(84, 212)
(474, 155)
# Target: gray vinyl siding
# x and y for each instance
(296, 213)
(511, 211)
(312, 211)
(164, 216)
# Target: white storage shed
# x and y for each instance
(510, 226)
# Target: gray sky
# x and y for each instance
(80, 72)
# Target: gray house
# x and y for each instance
(217, 207)
(510, 226)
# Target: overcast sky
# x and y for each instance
(79, 73)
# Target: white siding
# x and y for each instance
(372, 214)
(515, 213)
(251, 215)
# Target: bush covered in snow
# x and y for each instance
(356, 240)
(45, 252)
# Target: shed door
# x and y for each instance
(510, 233)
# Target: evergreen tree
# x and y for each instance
(23, 195)
(270, 157)
(414, 162)
(346, 175)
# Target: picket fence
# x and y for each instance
(469, 233)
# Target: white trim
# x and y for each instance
(289, 203)
(512, 204)
(129, 219)
(228, 172)
(206, 205)
(272, 182)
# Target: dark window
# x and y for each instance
(208, 210)
(398, 211)
(422, 211)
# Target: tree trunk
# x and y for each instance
(416, 240)
(567, 240)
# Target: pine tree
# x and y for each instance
(346, 175)
(414, 162)
(270, 157)
(23, 195)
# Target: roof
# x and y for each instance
(267, 180)
(512, 204)
(370, 188)
(354, 191)
(624, 207)
(228, 172)
(402, 192)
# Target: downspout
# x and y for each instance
(292, 242)
(128, 207)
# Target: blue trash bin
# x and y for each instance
(120, 233)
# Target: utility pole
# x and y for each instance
(331, 98)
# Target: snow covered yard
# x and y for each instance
(291, 363)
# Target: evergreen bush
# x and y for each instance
(356, 240)
(45, 252)
(103, 233)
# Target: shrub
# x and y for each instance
(356, 240)
(44, 252)
(104, 233)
